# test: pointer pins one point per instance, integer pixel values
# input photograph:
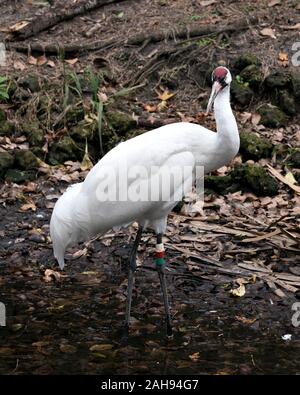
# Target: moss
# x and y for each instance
(33, 132)
(2, 116)
(241, 93)
(278, 80)
(286, 103)
(83, 131)
(254, 147)
(296, 85)
(30, 82)
(17, 176)
(6, 128)
(12, 87)
(38, 152)
(245, 60)
(253, 75)
(25, 159)
(254, 178)
(6, 161)
(120, 121)
(217, 183)
(75, 115)
(272, 116)
(63, 150)
(294, 159)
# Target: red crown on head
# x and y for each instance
(219, 73)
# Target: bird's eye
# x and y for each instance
(223, 82)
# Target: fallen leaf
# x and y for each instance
(245, 117)
(255, 119)
(206, 3)
(274, 2)
(40, 344)
(86, 163)
(67, 348)
(162, 106)
(79, 254)
(150, 107)
(289, 27)
(103, 97)
(32, 60)
(50, 63)
(244, 320)
(18, 65)
(194, 357)
(268, 32)
(50, 275)
(166, 95)
(89, 273)
(41, 60)
(290, 178)
(283, 59)
(16, 327)
(71, 61)
(240, 291)
(100, 347)
(18, 26)
(278, 136)
(28, 206)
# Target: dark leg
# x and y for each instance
(131, 271)
(160, 265)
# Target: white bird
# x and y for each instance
(81, 212)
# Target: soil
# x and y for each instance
(71, 322)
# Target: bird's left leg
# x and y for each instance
(131, 271)
(160, 265)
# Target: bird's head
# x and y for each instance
(221, 78)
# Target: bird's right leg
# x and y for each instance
(160, 266)
(131, 271)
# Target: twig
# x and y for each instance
(280, 177)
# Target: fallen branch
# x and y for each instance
(197, 256)
(185, 33)
(261, 237)
(280, 177)
(56, 16)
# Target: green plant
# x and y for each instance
(99, 109)
(94, 83)
(3, 88)
(204, 41)
(76, 87)
(240, 80)
(196, 17)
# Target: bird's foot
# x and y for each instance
(169, 332)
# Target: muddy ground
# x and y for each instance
(71, 321)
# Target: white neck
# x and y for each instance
(227, 130)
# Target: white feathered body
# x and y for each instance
(79, 214)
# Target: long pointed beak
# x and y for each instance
(214, 93)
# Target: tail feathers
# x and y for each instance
(59, 253)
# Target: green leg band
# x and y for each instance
(160, 261)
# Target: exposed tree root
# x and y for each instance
(57, 15)
(185, 33)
